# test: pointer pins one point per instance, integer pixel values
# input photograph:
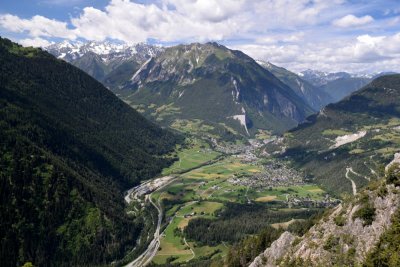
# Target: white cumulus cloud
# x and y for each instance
(37, 26)
(295, 34)
(364, 53)
(352, 21)
(35, 42)
(177, 20)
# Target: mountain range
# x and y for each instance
(169, 85)
(99, 59)
(338, 84)
(216, 85)
(164, 84)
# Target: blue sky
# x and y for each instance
(330, 35)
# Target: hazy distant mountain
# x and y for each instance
(339, 84)
(314, 96)
(320, 78)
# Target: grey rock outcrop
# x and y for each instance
(277, 249)
(329, 241)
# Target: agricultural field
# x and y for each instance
(280, 193)
(197, 152)
(164, 111)
(203, 129)
(191, 126)
(202, 192)
(263, 134)
(335, 132)
(173, 243)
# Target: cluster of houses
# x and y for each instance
(236, 149)
(274, 174)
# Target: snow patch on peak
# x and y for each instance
(301, 85)
(236, 93)
(265, 100)
(322, 113)
(62, 55)
(265, 64)
(140, 69)
(65, 44)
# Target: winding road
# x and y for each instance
(191, 250)
(353, 184)
(134, 193)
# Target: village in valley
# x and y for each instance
(209, 174)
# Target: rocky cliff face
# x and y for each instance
(342, 238)
(275, 252)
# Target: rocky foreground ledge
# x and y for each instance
(345, 236)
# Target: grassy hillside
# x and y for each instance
(349, 140)
(68, 147)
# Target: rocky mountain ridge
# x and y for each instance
(105, 61)
(108, 51)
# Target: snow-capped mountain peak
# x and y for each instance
(320, 78)
(107, 51)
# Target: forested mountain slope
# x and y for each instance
(344, 146)
(68, 148)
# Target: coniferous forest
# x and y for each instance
(68, 150)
